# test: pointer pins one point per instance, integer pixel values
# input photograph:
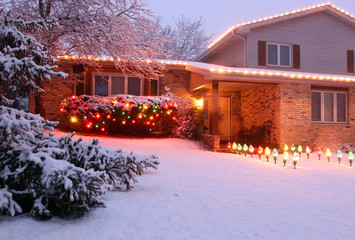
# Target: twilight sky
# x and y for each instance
(219, 15)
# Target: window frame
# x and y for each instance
(278, 54)
(335, 105)
(110, 75)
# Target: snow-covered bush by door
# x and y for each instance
(57, 176)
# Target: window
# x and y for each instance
(328, 106)
(278, 54)
(116, 84)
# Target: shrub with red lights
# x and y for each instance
(134, 115)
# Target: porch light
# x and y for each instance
(267, 153)
(260, 151)
(299, 149)
(239, 148)
(275, 154)
(295, 159)
(339, 154)
(285, 157)
(245, 149)
(293, 148)
(319, 150)
(199, 103)
(251, 150)
(328, 153)
(308, 151)
(351, 158)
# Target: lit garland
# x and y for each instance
(119, 114)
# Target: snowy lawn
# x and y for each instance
(197, 194)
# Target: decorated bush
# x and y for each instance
(57, 176)
(134, 115)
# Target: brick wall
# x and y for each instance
(296, 126)
(259, 105)
(177, 81)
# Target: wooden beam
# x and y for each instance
(214, 108)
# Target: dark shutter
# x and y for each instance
(350, 57)
(78, 75)
(146, 87)
(296, 56)
(261, 53)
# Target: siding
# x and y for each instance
(323, 38)
(232, 56)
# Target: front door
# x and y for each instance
(224, 118)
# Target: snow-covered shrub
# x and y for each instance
(48, 175)
(134, 115)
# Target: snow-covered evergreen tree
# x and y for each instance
(57, 176)
(23, 62)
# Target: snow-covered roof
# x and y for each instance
(219, 72)
(287, 16)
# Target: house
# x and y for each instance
(284, 79)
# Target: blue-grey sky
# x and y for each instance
(219, 15)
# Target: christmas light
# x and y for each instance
(275, 154)
(133, 121)
(260, 151)
(339, 154)
(61, 109)
(98, 115)
(123, 122)
(319, 151)
(295, 159)
(89, 125)
(293, 149)
(267, 153)
(308, 151)
(74, 119)
(299, 149)
(351, 158)
(239, 148)
(328, 153)
(103, 129)
(285, 157)
(229, 146)
(251, 150)
(245, 149)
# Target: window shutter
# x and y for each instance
(261, 53)
(296, 56)
(350, 57)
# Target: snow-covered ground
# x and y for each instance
(198, 194)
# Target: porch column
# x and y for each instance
(214, 108)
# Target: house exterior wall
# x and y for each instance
(295, 122)
(259, 105)
(232, 56)
(177, 81)
(323, 40)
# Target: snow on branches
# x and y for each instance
(23, 62)
(57, 176)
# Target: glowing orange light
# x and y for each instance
(114, 101)
(285, 148)
(123, 122)
(127, 104)
(267, 151)
(73, 119)
(145, 107)
(140, 115)
(73, 97)
(151, 118)
(260, 150)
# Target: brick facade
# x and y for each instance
(177, 81)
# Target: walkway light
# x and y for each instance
(308, 151)
(245, 149)
(319, 151)
(285, 148)
(295, 159)
(240, 148)
(260, 151)
(234, 147)
(267, 153)
(339, 154)
(351, 158)
(293, 148)
(275, 154)
(285, 157)
(229, 146)
(299, 149)
(328, 153)
(251, 150)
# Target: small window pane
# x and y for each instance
(285, 55)
(153, 87)
(134, 86)
(117, 85)
(328, 107)
(316, 106)
(272, 54)
(101, 85)
(341, 107)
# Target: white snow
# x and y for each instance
(198, 194)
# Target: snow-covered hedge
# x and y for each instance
(57, 176)
(134, 115)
